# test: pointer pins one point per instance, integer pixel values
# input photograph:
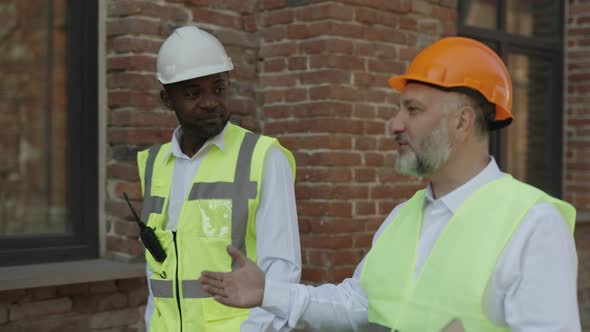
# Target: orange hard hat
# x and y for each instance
(462, 62)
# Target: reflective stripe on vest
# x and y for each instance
(238, 191)
(192, 289)
(151, 204)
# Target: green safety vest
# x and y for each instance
(219, 210)
(454, 277)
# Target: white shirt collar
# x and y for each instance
(218, 141)
(455, 198)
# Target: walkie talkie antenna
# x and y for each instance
(139, 222)
(147, 236)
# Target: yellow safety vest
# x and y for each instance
(453, 280)
(219, 210)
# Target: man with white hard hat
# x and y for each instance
(214, 184)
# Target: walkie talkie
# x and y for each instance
(147, 236)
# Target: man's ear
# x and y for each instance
(465, 122)
(165, 98)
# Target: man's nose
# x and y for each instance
(397, 123)
(208, 101)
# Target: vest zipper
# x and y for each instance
(176, 280)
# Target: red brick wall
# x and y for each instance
(323, 80)
(100, 306)
(577, 144)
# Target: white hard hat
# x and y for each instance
(190, 52)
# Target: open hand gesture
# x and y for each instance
(241, 288)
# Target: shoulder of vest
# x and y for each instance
(508, 185)
(261, 138)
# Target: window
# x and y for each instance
(527, 34)
(49, 141)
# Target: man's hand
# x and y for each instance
(241, 288)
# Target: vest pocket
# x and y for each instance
(213, 218)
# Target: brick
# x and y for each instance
(364, 208)
(274, 65)
(280, 49)
(332, 226)
(99, 302)
(373, 16)
(331, 191)
(73, 290)
(134, 26)
(43, 293)
(325, 11)
(346, 30)
(362, 240)
(324, 209)
(277, 17)
(101, 287)
(304, 126)
(134, 81)
(272, 4)
(14, 296)
(115, 318)
(330, 175)
(128, 246)
(135, 44)
(250, 24)
(327, 45)
(340, 273)
(129, 8)
(323, 109)
(3, 314)
(40, 308)
(325, 76)
(139, 136)
(343, 93)
(297, 63)
(124, 171)
(312, 142)
(274, 34)
(334, 158)
(131, 62)
(313, 274)
(296, 95)
(128, 229)
(326, 241)
(54, 323)
(278, 80)
(347, 257)
(224, 19)
(133, 189)
(138, 297)
(132, 284)
(364, 175)
(375, 127)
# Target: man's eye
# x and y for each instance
(192, 94)
(219, 90)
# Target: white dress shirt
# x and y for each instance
(533, 287)
(277, 233)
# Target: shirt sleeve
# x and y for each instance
(277, 234)
(328, 307)
(536, 276)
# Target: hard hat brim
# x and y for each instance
(399, 83)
